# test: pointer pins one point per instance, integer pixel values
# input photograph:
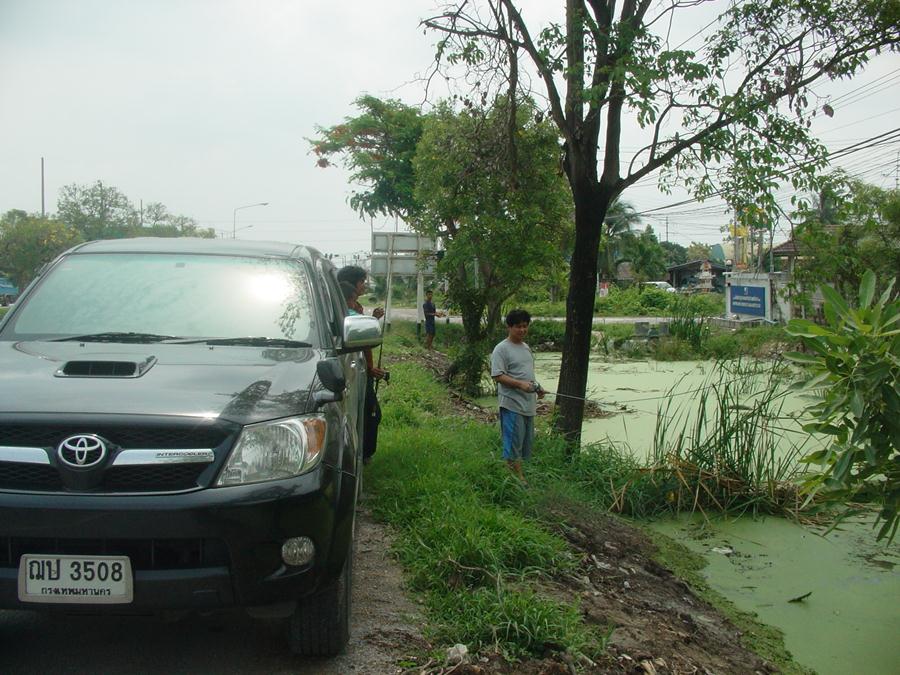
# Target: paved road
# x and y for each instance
(408, 314)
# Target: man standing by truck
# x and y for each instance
(357, 276)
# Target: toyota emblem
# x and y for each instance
(82, 451)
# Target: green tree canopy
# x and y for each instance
(647, 257)
(28, 241)
(481, 177)
(497, 202)
(621, 218)
(851, 227)
(698, 251)
(97, 211)
(730, 118)
(676, 254)
(378, 147)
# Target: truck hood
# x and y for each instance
(238, 384)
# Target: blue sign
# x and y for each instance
(749, 300)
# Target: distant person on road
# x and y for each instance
(430, 312)
(512, 368)
(356, 278)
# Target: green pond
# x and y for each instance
(850, 622)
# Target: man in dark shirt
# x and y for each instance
(430, 312)
(356, 277)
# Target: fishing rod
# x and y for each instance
(387, 375)
(537, 387)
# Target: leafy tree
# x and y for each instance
(97, 211)
(28, 241)
(499, 211)
(620, 219)
(484, 179)
(100, 211)
(158, 222)
(730, 118)
(676, 254)
(851, 227)
(854, 367)
(647, 257)
(698, 251)
(378, 147)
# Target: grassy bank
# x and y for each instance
(482, 551)
(465, 536)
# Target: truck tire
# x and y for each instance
(320, 626)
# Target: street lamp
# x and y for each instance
(234, 219)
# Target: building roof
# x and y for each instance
(787, 249)
(698, 264)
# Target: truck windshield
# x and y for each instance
(178, 295)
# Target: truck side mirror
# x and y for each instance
(331, 375)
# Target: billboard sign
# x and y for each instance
(401, 242)
(406, 266)
(748, 300)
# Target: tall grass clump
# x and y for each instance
(688, 322)
(464, 536)
(729, 456)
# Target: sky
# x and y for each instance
(206, 105)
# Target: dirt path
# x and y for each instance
(385, 624)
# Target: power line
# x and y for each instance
(891, 137)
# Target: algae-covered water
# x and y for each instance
(850, 622)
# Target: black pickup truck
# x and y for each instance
(180, 429)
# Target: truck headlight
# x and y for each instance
(274, 450)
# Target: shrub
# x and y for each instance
(654, 301)
(546, 332)
(723, 346)
(673, 349)
(854, 367)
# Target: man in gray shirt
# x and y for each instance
(512, 367)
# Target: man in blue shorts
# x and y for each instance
(512, 367)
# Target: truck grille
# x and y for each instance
(21, 474)
(123, 436)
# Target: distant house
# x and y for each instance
(702, 274)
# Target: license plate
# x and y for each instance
(75, 579)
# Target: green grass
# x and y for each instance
(3, 310)
(463, 535)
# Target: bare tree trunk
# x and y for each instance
(590, 210)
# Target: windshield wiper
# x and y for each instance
(117, 337)
(249, 342)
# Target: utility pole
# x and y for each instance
(43, 210)
(667, 229)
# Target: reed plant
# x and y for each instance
(733, 453)
(688, 322)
